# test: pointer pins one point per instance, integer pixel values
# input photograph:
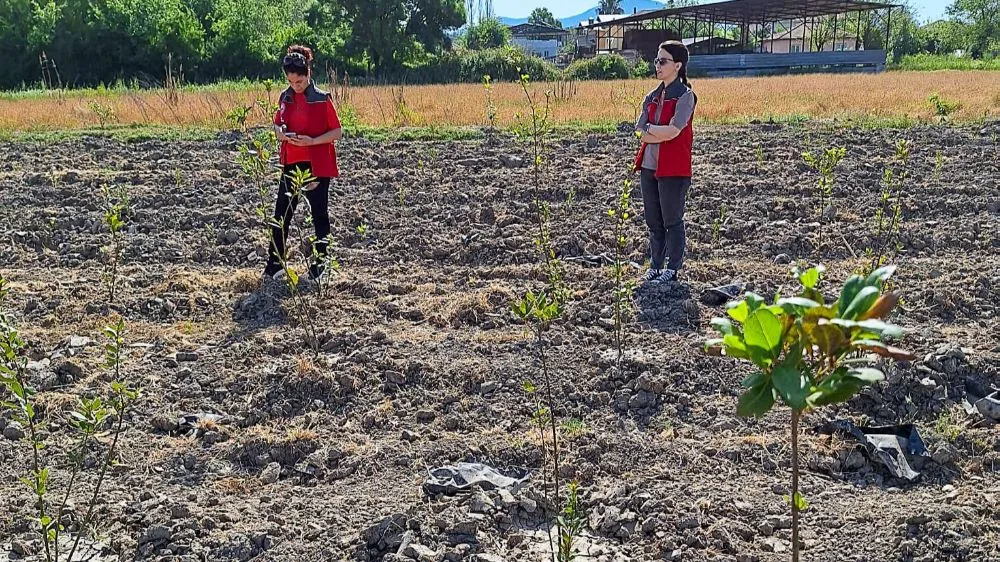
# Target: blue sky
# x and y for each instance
(928, 9)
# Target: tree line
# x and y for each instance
(89, 42)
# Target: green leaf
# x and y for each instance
(800, 502)
(811, 277)
(738, 311)
(880, 276)
(753, 380)
(834, 389)
(871, 327)
(293, 277)
(850, 290)
(866, 375)
(754, 301)
(828, 338)
(799, 301)
(792, 385)
(735, 347)
(722, 325)
(756, 401)
(763, 330)
(760, 357)
(864, 300)
(797, 306)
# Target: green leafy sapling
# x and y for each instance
(325, 262)
(717, 224)
(943, 108)
(806, 351)
(114, 220)
(535, 131)
(825, 165)
(298, 180)
(889, 212)
(538, 311)
(571, 522)
(91, 415)
(104, 112)
(87, 420)
(255, 161)
(19, 401)
(363, 231)
(491, 107)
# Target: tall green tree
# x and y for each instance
(388, 33)
(981, 19)
(943, 37)
(543, 16)
(248, 36)
(489, 33)
(19, 61)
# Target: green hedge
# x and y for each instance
(924, 62)
(601, 67)
(503, 65)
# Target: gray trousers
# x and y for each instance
(663, 206)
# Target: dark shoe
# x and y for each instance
(316, 271)
(272, 269)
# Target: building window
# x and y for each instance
(795, 49)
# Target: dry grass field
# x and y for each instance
(890, 96)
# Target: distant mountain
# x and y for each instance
(628, 6)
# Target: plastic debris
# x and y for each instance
(463, 476)
(893, 446)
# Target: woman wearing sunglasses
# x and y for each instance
(664, 160)
(306, 125)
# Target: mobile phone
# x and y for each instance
(291, 135)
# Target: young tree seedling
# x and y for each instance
(113, 219)
(825, 165)
(806, 351)
(889, 212)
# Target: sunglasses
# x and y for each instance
(662, 61)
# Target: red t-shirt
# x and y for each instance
(299, 118)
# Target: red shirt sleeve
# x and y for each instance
(332, 120)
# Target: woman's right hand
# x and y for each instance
(279, 133)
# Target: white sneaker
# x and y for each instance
(666, 276)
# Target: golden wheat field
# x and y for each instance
(890, 95)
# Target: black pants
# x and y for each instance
(663, 202)
(284, 209)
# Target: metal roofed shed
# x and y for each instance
(740, 37)
(543, 41)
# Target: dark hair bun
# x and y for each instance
(302, 50)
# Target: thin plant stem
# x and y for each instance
(36, 463)
(104, 469)
(69, 488)
(795, 485)
(552, 420)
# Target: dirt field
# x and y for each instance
(423, 363)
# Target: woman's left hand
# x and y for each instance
(302, 140)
